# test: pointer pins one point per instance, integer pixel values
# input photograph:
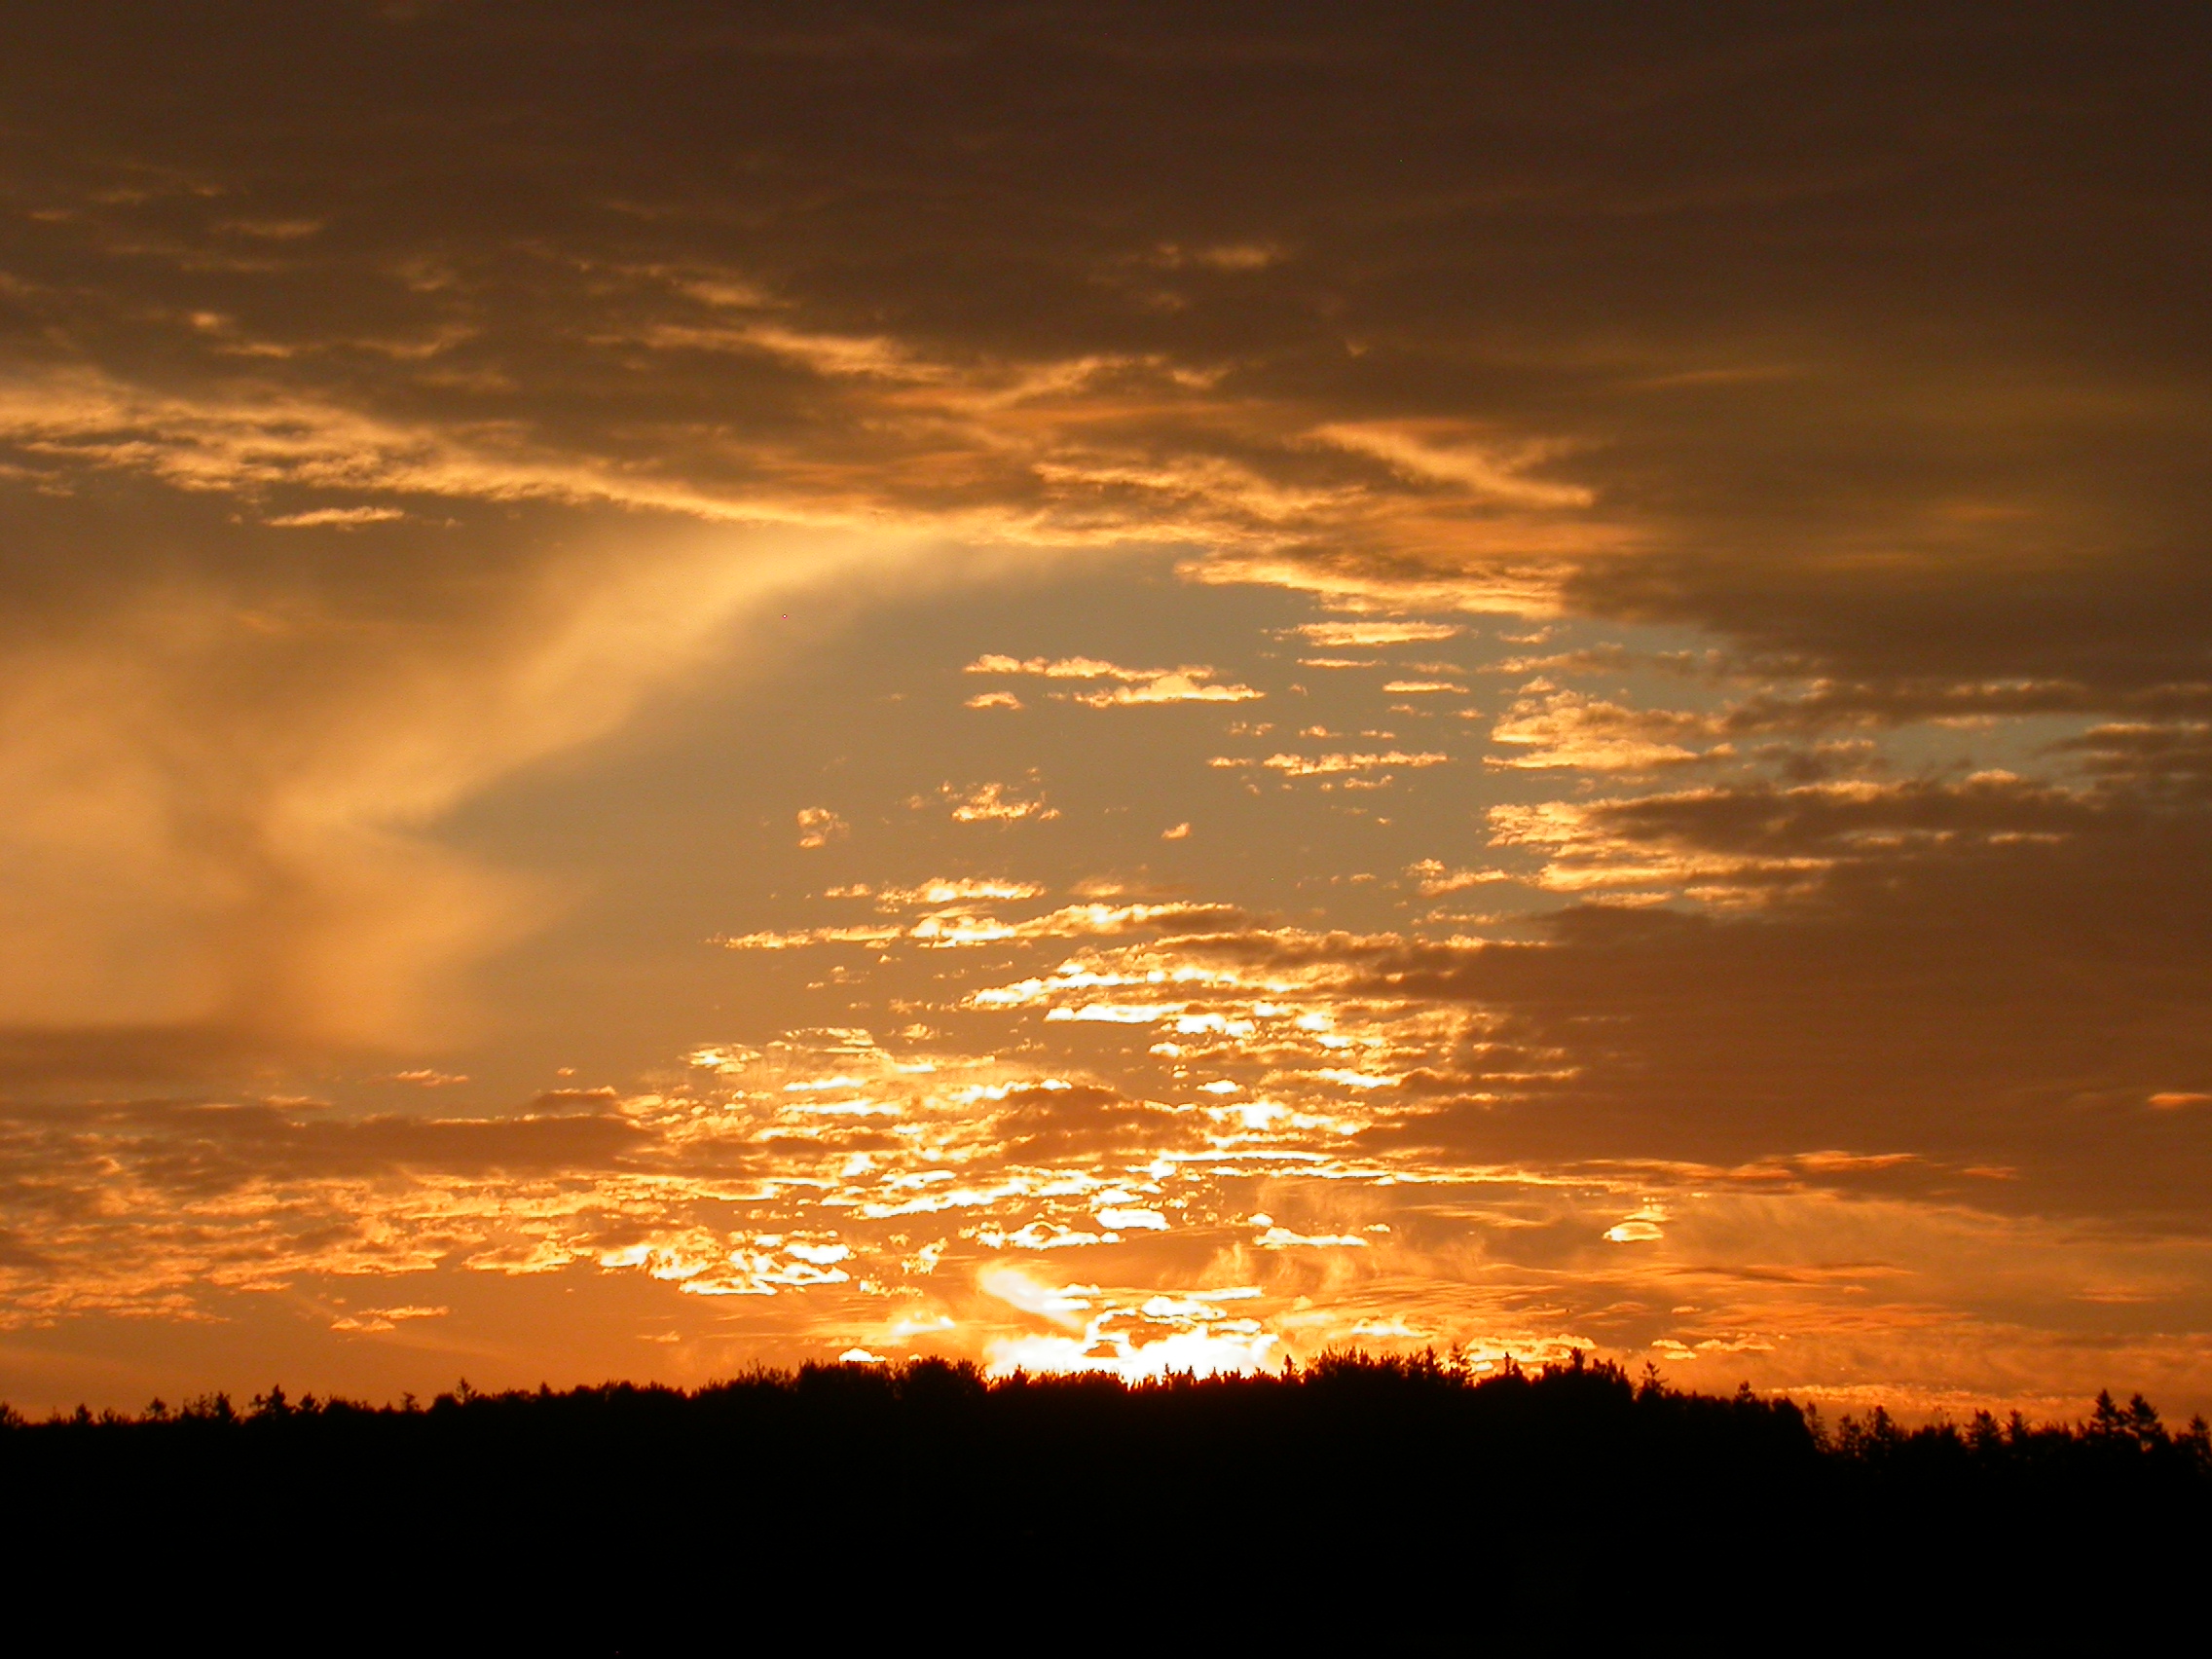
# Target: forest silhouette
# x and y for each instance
(634, 1517)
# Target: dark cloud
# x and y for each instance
(2172, 760)
(2009, 1004)
(1083, 1122)
(1909, 384)
(1878, 821)
(199, 1149)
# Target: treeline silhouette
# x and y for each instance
(632, 1517)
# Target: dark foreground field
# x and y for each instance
(845, 1504)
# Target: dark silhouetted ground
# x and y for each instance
(868, 1505)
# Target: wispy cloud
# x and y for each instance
(1365, 633)
(1325, 765)
(1135, 686)
(1435, 453)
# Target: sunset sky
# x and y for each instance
(1140, 687)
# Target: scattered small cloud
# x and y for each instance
(385, 1319)
(1432, 879)
(1175, 686)
(273, 230)
(956, 927)
(995, 803)
(802, 936)
(1226, 257)
(1052, 668)
(818, 826)
(949, 890)
(1642, 1228)
(1283, 1239)
(1319, 765)
(1555, 730)
(1190, 684)
(1340, 634)
(342, 518)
